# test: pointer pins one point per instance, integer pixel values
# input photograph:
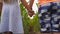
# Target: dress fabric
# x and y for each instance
(49, 17)
(11, 19)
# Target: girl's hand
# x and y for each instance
(30, 11)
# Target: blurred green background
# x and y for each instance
(30, 25)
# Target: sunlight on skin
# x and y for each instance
(34, 7)
(27, 0)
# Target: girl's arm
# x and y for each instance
(25, 4)
(28, 7)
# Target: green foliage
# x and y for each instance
(27, 22)
(24, 18)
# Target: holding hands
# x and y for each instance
(28, 7)
(30, 13)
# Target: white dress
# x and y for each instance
(11, 19)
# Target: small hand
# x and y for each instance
(30, 13)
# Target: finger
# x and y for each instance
(30, 14)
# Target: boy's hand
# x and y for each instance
(30, 13)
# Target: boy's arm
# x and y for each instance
(31, 3)
(28, 7)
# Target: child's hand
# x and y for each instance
(30, 13)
